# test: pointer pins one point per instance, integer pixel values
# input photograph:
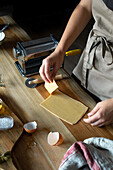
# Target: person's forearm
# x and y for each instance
(77, 22)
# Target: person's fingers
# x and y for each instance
(94, 118)
(47, 72)
(95, 109)
(101, 123)
(98, 123)
(106, 120)
(42, 73)
(101, 115)
(90, 120)
(53, 61)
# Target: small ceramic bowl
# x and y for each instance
(2, 36)
(6, 122)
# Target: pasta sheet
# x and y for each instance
(64, 107)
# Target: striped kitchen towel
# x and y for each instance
(95, 153)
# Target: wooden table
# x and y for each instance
(31, 151)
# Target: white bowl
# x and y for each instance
(2, 36)
(6, 122)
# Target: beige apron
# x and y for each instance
(95, 67)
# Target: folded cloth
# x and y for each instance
(94, 153)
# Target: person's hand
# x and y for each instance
(102, 114)
(54, 60)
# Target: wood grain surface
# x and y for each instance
(31, 151)
(9, 137)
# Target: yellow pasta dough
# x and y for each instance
(64, 107)
(51, 87)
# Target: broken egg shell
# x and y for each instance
(54, 138)
(30, 127)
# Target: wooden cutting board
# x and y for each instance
(9, 137)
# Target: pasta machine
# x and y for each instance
(29, 54)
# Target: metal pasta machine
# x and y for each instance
(30, 54)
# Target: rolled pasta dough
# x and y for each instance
(64, 107)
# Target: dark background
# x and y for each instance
(38, 15)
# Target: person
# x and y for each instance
(95, 67)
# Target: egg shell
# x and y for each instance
(30, 127)
(55, 138)
(60, 141)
